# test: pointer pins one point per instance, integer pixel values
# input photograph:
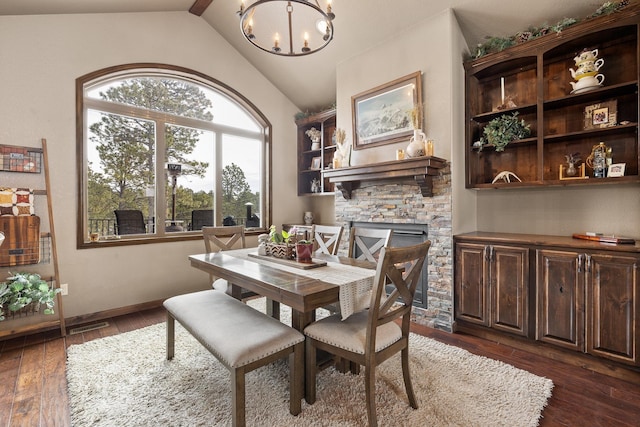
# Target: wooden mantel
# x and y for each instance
(422, 169)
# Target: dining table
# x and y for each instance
(331, 279)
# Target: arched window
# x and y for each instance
(165, 151)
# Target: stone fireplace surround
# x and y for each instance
(401, 202)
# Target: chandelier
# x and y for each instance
(287, 27)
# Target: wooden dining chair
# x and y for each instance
(370, 337)
(327, 241)
(225, 238)
(327, 238)
(366, 243)
(218, 239)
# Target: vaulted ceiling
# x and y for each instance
(310, 81)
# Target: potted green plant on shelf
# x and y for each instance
(26, 293)
(502, 130)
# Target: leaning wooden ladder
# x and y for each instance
(40, 322)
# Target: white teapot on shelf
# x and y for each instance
(586, 68)
(588, 82)
(586, 55)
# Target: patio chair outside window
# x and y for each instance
(201, 218)
(129, 221)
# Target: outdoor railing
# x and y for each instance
(107, 226)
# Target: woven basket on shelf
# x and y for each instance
(280, 251)
(28, 310)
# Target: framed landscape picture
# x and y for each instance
(382, 115)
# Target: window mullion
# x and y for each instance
(161, 181)
(217, 193)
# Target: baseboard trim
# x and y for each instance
(101, 315)
(583, 360)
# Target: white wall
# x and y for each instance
(423, 47)
(41, 57)
(610, 209)
(463, 216)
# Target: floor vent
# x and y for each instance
(87, 328)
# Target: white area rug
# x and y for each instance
(125, 380)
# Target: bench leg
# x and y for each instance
(296, 376)
(237, 397)
(171, 335)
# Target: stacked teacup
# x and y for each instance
(586, 74)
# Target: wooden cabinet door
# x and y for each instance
(471, 283)
(560, 298)
(509, 275)
(613, 288)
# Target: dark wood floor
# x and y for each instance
(33, 388)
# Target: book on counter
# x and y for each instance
(599, 237)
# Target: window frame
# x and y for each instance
(171, 71)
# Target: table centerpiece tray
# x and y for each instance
(290, 262)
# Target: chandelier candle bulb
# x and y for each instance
(305, 48)
(502, 89)
(250, 29)
(329, 12)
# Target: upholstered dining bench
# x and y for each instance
(241, 338)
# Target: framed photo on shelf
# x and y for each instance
(601, 115)
(382, 115)
(616, 170)
(316, 163)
